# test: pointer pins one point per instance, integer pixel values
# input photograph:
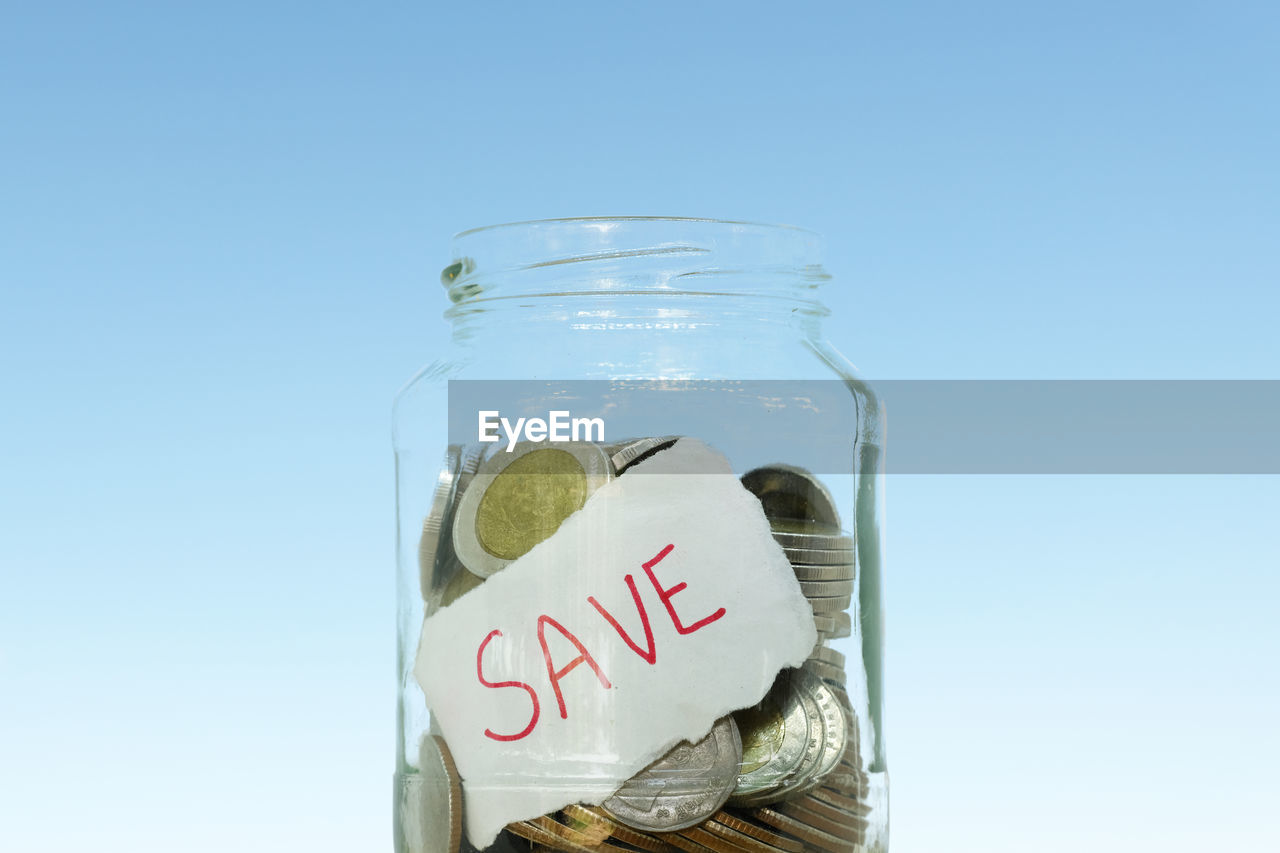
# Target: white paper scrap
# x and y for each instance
(660, 606)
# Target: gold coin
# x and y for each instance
(591, 828)
(438, 805)
(528, 500)
(840, 801)
(836, 815)
(855, 802)
(773, 839)
(686, 844)
(852, 758)
(536, 830)
(574, 836)
(839, 828)
(740, 841)
(586, 815)
(803, 831)
(518, 499)
(710, 841)
(532, 833)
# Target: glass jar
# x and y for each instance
(663, 328)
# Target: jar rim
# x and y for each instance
(616, 254)
(586, 220)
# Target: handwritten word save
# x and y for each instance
(648, 653)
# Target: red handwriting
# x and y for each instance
(670, 592)
(533, 694)
(649, 654)
(554, 675)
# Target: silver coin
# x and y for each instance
(833, 625)
(445, 561)
(826, 589)
(823, 573)
(809, 535)
(830, 734)
(825, 671)
(795, 542)
(835, 732)
(684, 787)
(820, 556)
(518, 499)
(626, 454)
(429, 543)
(774, 734)
(431, 807)
(831, 605)
(471, 457)
(801, 527)
(825, 621)
(786, 491)
(826, 654)
(802, 683)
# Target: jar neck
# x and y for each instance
(560, 316)
(639, 296)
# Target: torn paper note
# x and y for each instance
(661, 605)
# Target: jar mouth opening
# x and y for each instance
(588, 221)
(594, 254)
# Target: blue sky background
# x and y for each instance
(220, 232)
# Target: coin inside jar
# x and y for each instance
(628, 453)
(432, 812)
(773, 739)
(526, 502)
(433, 524)
(833, 625)
(518, 499)
(684, 787)
(459, 584)
(786, 491)
(835, 730)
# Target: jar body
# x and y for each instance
(592, 310)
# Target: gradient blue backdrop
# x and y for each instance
(220, 231)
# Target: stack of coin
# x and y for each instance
(806, 523)
(431, 807)
(437, 562)
(795, 739)
(782, 777)
(822, 558)
(827, 814)
(828, 664)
